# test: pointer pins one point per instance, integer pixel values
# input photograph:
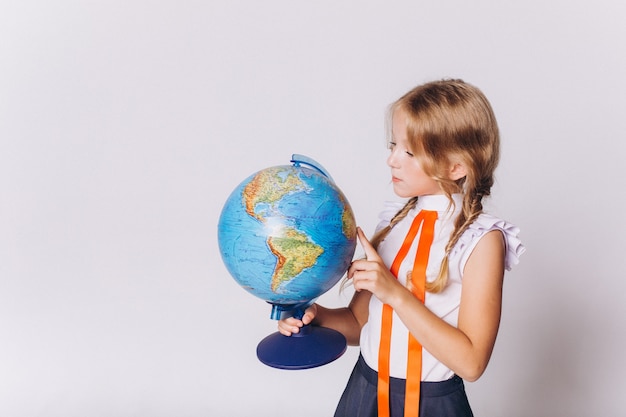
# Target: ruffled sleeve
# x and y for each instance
(484, 224)
(390, 208)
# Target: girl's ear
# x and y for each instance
(457, 171)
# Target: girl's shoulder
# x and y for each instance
(484, 224)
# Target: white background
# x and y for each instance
(124, 126)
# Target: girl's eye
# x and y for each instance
(391, 146)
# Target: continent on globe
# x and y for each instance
(295, 252)
(347, 220)
(263, 189)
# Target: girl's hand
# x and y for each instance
(372, 274)
(292, 325)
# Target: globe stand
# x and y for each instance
(311, 347)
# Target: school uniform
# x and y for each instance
(442, 393)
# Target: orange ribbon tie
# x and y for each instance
(426, 220)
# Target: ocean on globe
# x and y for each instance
(287, 234)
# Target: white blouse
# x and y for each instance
(445, 304)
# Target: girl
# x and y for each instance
(427, 301)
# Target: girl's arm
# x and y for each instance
(465, 349)
(347, 320)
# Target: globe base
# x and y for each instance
(313, 346)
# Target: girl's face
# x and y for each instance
(408, 177)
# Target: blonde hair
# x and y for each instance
(446, 120)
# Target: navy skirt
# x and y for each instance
(437, 399)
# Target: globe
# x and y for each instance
(287, 235)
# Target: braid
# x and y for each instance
(472, 208)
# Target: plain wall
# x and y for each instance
(125, 125)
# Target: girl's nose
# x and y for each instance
(392, 161)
